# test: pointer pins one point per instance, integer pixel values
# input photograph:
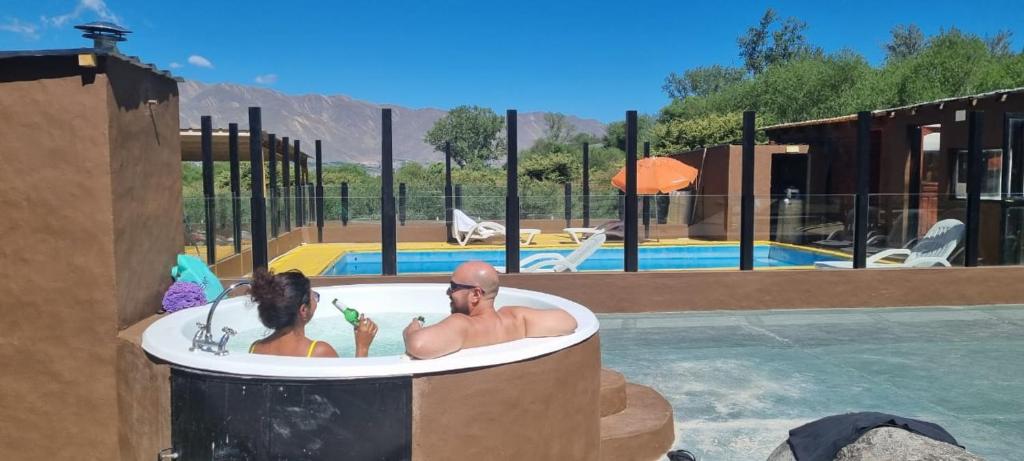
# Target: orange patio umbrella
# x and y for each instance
(658, 174)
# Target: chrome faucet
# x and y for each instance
(203, 339)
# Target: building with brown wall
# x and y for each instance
(715, 209)
(914, 157)
(89, 233)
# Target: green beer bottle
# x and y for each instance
(350, 314)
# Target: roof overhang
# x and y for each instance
(890, 111)
(192, 150)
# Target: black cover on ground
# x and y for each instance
(820, 440)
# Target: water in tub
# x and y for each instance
(330, 325)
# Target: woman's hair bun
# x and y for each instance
(279, 296)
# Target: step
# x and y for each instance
(613, 392)
(644, 431)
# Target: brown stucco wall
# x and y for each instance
(58, 390)
(143, 397)
(540, 409)
(90, 228)
(144, 155)
(762, 289)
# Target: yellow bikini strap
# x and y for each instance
(312, 345)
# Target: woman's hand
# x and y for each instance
(365, 333)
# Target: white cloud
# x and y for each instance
(97, 7)
(174, 65)
(266, 79)
(200, 61)
(25, 29)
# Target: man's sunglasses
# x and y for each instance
(306, 298)
(459, 286)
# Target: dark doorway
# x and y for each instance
(788, 188)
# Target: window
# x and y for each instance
(992, 175)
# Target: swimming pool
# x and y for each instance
(606, 259)
(738, 381)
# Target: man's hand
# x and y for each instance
(365, 333)
(415, 324)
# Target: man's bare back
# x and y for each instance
(475, 322)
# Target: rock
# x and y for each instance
(890, 443)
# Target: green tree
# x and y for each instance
(1000, 43)
(474, 132)
(557, 128)
(615, 135)
(906, 41)
(763, 45)
(701, 81)
(685, 134)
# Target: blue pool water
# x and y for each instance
(650, 258)
(739, 381)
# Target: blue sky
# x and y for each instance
(594, 59)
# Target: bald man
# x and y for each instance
(475, 322)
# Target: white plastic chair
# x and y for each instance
(555, 262)
(466, 229)
(932, 250)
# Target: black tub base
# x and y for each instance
(225, 417)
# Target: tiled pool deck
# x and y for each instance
(738, 381)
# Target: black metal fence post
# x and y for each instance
(272, 187)
(319, 194)
(647, 199)
(975, 170)
(299, 211)
(236, 188)
(458, 196)
(512, 193)
(389, 243)
(568, 204)
(586, 184)
(401, 203)
(747, 197)
(344, 203)
(631, 237)
(206, 144)
(258, 201)
(285, 183)
(860, 220)
(448, 192)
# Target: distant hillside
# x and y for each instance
(349, 128)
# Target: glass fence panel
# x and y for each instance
(194, 225)
(924, 230)
(797, 231)
(1011, 233)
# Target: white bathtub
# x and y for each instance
(169, 338)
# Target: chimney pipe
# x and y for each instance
(104, 35)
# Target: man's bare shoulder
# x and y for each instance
(515, 311)
(520, 310)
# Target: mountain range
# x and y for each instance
(348, 128)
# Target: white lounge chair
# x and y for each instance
(466, 229)
(614, 229)
(932, 250)
(555, 262)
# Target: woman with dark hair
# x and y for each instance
(286, 305)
